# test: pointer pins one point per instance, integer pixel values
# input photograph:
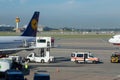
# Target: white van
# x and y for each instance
(85, 57)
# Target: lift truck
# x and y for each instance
(43, 45)
(42, 56)
(115, 58)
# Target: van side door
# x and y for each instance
(85, 57)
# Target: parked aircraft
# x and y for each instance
(115, 40)
(12, 43)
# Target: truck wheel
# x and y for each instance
(42, 61)
(28, 60)
(76, 61)
(94, 62)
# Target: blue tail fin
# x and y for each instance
(31, 29)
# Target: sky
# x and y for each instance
(63, 13)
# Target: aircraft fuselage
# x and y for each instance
(7, 42)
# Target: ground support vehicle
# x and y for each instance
(115, 58)
(40, 75)
(17, 58)
(10, 62)
(41, 42)
(44, 42)
(5, 64)
(43, 56)
(13, 74)
(84, 57)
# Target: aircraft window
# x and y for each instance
(41, 41)
(79, 55)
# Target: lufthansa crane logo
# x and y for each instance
(34, 24)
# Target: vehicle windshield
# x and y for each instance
(91, 55)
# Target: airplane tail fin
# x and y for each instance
(31, 29)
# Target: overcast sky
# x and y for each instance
(63, 13)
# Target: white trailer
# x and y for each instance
(43, 56)
(44, 42)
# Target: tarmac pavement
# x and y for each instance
(64, 69)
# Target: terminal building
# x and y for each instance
(6, 28)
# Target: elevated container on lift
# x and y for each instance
(43, 42)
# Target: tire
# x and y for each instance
(94, 62)
(42, 61)
(76, 61)
(28, 60)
